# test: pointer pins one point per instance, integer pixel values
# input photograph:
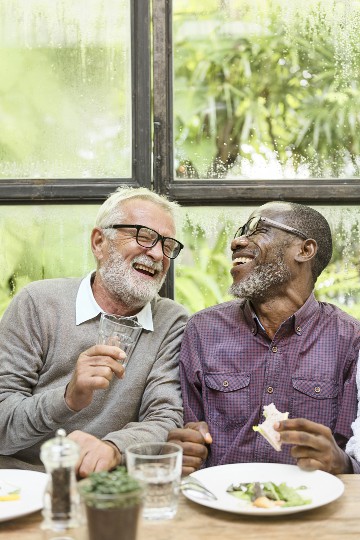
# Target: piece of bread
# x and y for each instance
(266, 429)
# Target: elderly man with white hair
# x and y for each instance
(52, 372)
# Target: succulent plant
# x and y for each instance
(111, 489)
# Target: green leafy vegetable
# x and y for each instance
(276, 494)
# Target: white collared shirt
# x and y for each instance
(87, 308)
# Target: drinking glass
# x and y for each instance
(122, 332)
(158, 467)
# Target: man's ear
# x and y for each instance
(97, 240)
(307, 251)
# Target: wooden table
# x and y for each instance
(337, 520)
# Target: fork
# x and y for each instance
(190, 483)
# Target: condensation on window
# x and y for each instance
(65, 83)
(266, 89)
(42, 242)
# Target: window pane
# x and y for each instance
(40, 242)
(266, 89)
(202, 270)
(65, 83)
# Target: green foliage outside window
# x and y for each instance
(65, 87)
(41, 242)
(267, 87)
(204, 279)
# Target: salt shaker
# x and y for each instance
(62, 506)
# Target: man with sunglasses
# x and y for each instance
(274, 344)
(52, 372)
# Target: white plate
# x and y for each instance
(322, 488)
(32, 485)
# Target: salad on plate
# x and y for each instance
(268, 494)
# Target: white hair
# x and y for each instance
(111, 210)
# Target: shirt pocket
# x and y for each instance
(227, 399)
(316, 400)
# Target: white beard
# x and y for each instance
(126, 284)
(263, 279)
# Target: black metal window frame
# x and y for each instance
(95, 190)
(219, 192)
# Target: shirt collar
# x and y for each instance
(305, 313)
(251, 317)
(297, 320)
(87, 308)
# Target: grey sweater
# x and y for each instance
(39, 347)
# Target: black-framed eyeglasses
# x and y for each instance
(253, 225)
(148, 238)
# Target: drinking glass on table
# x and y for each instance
(121, 332)
(158, 467)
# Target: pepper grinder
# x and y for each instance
(62, 505)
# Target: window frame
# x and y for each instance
(220, 192)
(95, 190)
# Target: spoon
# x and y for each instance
(190, 483)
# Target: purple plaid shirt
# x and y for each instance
(230, 369)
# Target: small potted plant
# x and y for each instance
(113, 501)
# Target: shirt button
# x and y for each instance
(226, 383)
(274, 349)
(317, 389)
(298, 330)
(270, 390)
(253, 330)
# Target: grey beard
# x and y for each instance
(121, 281)
(259, 284)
